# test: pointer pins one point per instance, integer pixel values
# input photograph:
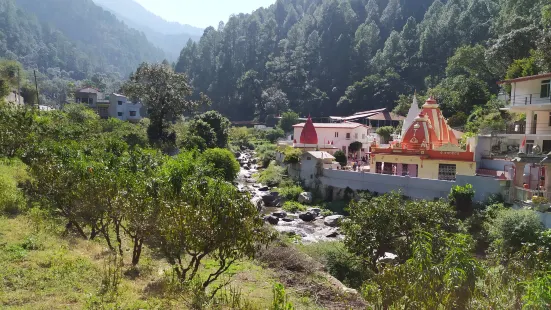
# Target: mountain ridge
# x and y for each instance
(171, 37)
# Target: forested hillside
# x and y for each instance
(75, 38)
(328, 57)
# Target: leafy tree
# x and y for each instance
(385, 133)
(389, 223)
(450, 271)
(288, 119)
(213, 128)
(512, 228)
(274, 134)
(223, 161)
(355, 146)
(166, 95)
(207, 218)
(340, 157)
(461, 198)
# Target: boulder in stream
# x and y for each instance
(333, 220)
(307, 216)
(271, 219)
(305, 197)
(280, 214)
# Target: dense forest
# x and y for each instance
(70, 38)
(327, 57)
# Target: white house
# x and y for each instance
(530, 95)
(114, 105)
(340, 135)
(123, 109)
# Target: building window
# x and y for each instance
(446, 172)
(120, 102)
(132, 113)
(336, 134)
(355, 136)
(308, 158)
(378, 167)
(119, 114)
(348, 136)
(544, 93)
(546, 147)
(405, 169)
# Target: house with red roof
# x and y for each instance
(331, 137)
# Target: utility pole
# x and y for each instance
(18, 85)
(36, 86)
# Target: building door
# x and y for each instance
(534, 124)
(446, 172)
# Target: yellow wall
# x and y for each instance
(427, 168)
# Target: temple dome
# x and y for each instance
(309, 134)
(429, 129)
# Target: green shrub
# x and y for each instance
(339, 206)
(274, 134)
(266, 153)
(289, 190)
(385, 133)
(12, 201)
(271, 176)
(293, 206)
(461, 197)
(292, 155)
(240, 137)
(223, 161)
(340, 263)
(340, 157)
(512, 228)
(280, 301)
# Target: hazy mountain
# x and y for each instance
(75, 36)
(169, 36)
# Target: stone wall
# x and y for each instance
(411, 187)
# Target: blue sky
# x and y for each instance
(202, 13)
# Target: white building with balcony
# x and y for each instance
(530, 95)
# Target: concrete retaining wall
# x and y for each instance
(497, 164)
(411, 187)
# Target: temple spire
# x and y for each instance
(309, 134)
(412, 114)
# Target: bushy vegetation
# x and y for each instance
(293, 207)
(222, 161)
(340, 157)
(292, 155)
(272, 175)
(289, 190)
(84, 173)
(266, 153)
(12, 174)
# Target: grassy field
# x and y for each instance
(42, 266)
(42, 269)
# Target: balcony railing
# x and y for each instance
(522, 194)
(527, 99)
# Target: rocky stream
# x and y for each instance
(309, 226)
